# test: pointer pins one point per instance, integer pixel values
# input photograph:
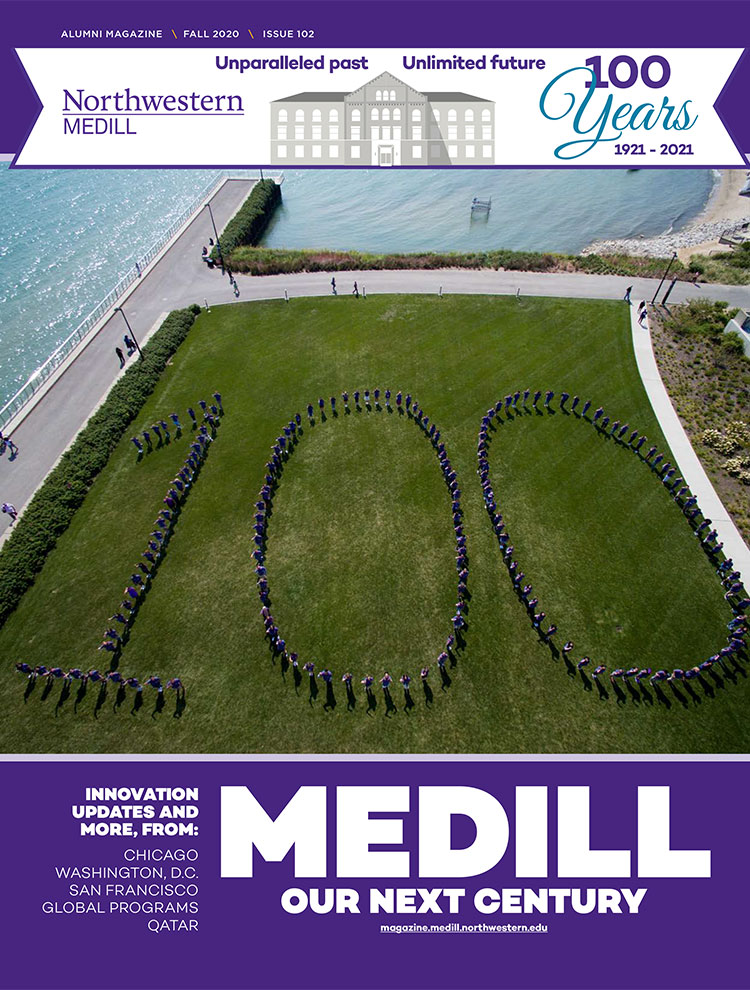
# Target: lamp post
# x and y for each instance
(216, 235)
(119, 309)
(664, 276)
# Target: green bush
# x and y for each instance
(52, 508)
(249, 222)
(699, 317)
(733, 343)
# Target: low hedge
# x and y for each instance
(273, 261)
(52, 508)
(249, 222)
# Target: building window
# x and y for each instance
(317, 132)
(469, 132)
(416, 133)
(416, 151)
(333, 116)
(299, 132)
(436, 115)
(469, 116)
(434, 151)
(355, 133)
(355, 151)
(379, 95)
(316, 117)
(486, 116)
(386, 115)
(356, 116)
(434, 132)
(316, 151)
(283, 117)
(333, 151)
(299, 151)
(393, 95)
(469, 150)
(300, 116)
(396, 113)
(452, 117)
(416, 116)
(386, 133)
(453, 150)
(281, 151)
(396, 133)
(486, 151)
(486, 132)
(374, 114)
(281, 132)
(333, 132)
(453, 133)
(375, 133)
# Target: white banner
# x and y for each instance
(135, 107)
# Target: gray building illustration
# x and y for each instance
(384, 123)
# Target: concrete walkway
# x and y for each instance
(687, 460)
(46, 427)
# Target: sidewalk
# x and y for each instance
(687, 460)
(46, 426)
(179, 278)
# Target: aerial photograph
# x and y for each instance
(374, 460)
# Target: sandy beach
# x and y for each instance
(725, 210)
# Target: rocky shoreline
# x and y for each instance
(663, 245)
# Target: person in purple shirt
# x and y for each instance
(155, 682)
(368, 681)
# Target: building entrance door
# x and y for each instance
(385, 155)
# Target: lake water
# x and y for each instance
(67, 236)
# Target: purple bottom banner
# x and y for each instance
(369, 873)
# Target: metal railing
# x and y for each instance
(58, 356)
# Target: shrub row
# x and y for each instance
(270, 261)
(51, 509)
(249, 222)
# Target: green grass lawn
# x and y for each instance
(361, 548)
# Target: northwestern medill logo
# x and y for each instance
(384, 123)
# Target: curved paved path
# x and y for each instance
(687, 460)
(47, 425)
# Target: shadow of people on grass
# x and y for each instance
(80, 695)
(159, 705)
(428, 695)
(180, 704)
(351, 701)
(330, 702)
(445, 678)
(137, 703)
(390, 707)
(100, 699)
(30, 685)
(64, 695)
(119, 697)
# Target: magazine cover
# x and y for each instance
(374, 474)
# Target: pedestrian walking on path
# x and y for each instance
(11, 511)
(627, 294)
(355, 290)
(333, 286)
(121, 356)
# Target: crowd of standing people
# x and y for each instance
(734, 592)
(285, 443)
